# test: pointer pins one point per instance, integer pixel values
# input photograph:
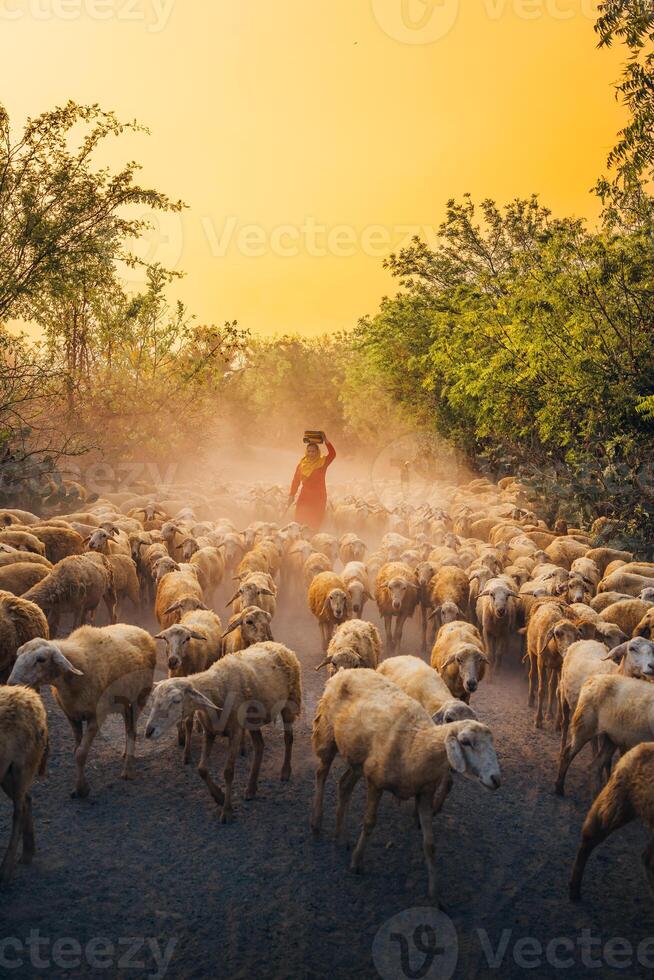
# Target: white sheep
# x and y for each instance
(242, 692)
(23, 754)
(387, 737)
(422, 682)
(94, 673)
(355, 644)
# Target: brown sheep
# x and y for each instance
(172, 586)
(59, 542)
(449, 593)
(20, 621)
(13, 556)
(247, 627)
(355, 644)
(386, 736)
(314, 565)
(77, 585)
(563, 551)
(21, 576)
(23, 754)
(627, 614)
(330, 603)
(459, 657)
(94, 673)
(627, 796)
(23, 541)
(266, 675)
(396, 594)
(645, 627)
(549, 634)
(604, 556)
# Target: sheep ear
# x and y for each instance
(586, 629)
(548, 637)
(436, 611)
(367, 594)
(196, 636)
(617, 653)
(233, 599)
(233, 626)
(455, 755)
(324, 663)
(64, 664)
(266, 592)
(200, 700)
(161, 636)
(171, 609)
(644, 630)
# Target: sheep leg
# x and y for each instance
(648, 863)
(326, 757)
(565, 719)
(28, 831)
(388, 629)
(82, 788)
(258, 743)
(10, 785)
(203, 770)
(609, 812)
(541, 693)
(551, 692)
(232, 752)
(188, 734)
(423, 627)
(285, 774)
(346, 785)
(532, 681)
(572, 749)
(77, 728)
(369, 821)
(441, 794)
(602, 763)
(425, 815)
(399, 627)
(129, 717)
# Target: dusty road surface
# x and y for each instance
(141, 879)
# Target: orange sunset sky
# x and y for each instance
(309, 137)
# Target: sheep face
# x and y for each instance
(398, 588)
(449, 613)
(471, 664)
(40, 662)
(345, 659)
(255, 626)
(471, 752)
(189, 547)
(646, 625)
(563, 634)
(337, 603)
(453, 710)
(499, 598)
(647, 595)
(638, 655)
(579, 589)
(177, 639)
(98, 540)
(251, 593)
(609, 634)
(358, 596)
(162, 567)
(172, 701)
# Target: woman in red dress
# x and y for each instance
(310, 473)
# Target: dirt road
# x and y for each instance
(141, 879)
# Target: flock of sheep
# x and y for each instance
(489, 581)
